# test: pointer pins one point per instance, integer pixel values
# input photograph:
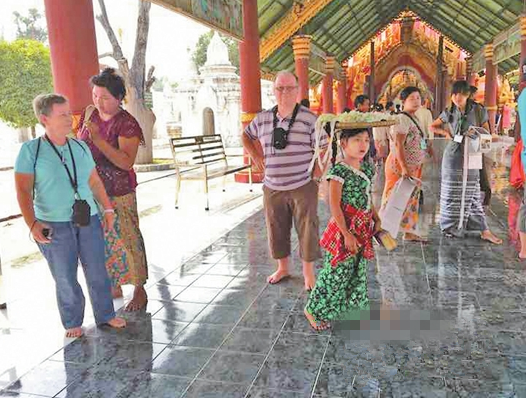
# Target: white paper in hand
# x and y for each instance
(391, 215)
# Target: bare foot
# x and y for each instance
(318, 326)
(116, 292)
(488, 235)
(138, 301)
(309, 276)
(117, 323)
(278, 276)
(74, 332)
(522, 256)
(409, 237)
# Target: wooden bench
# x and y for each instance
(203, 158)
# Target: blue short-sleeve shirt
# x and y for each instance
(54, 195)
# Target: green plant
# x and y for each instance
(26, 72)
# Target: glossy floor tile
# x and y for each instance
(447, 319)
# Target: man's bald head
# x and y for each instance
(285, 78)
(286, 91)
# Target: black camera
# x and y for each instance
(46, 232)
(81, 213)
(280, 138)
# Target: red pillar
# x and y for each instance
(372, 78)
(250, 76)
(470, 73)
(523, 45)
(341, 104)
(490, 92)
(328, 106)
(301, 48)
(439, 87)
(73, 45)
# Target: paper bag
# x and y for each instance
(391, 215)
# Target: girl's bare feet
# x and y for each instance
(318, 326)
(116, 292)
(488, 235)
(139, 300)
(117, 323)
(74, 332)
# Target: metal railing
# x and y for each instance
(15, 216)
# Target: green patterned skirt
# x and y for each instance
(339, 289)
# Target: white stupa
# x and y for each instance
(210, 103)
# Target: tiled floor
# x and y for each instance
(447, 321)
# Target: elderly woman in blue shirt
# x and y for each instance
(54, 174)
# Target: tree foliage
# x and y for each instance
(28, 28)
(26, 72)
(199, 53)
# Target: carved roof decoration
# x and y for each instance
(342, 27)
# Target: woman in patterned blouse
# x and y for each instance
(406, 160)
(114, 136)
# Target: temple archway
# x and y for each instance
(408, 64)
(400, 78)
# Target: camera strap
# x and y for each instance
(291, 121)
(72, 180)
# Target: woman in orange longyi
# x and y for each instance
(406, 159)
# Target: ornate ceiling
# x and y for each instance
(341, 27)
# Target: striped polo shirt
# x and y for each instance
(286, 169)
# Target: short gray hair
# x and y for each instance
(43, 103)
(285, 73)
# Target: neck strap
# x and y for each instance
(72, 180)
(291, 121)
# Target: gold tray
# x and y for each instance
(364, 125)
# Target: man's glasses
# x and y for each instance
(284, 89)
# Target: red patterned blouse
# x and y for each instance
(118, 182)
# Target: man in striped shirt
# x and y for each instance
(290, 192)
